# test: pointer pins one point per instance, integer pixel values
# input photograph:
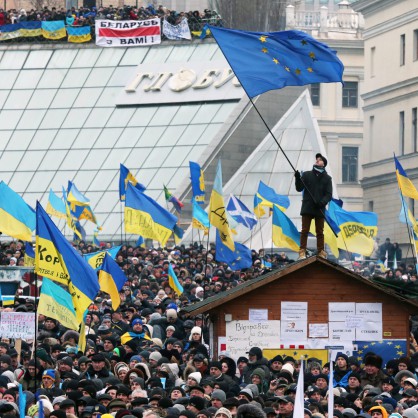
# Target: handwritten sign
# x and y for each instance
(17, 325)
(242, 335)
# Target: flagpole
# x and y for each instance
(207, 252)
(121, 224)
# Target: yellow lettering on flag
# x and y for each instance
(49, 262)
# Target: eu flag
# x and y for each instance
(238, 259)
(264, 61)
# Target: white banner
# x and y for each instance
(339, 332)
(17, 325)
(177, 32)
(111, 33)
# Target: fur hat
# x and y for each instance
(371, 359)
(250, 410)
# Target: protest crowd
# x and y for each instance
(87, 16)
(146, 359)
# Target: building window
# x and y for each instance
(402, 57)
(414, 130)
(315, 94)
(350, 164)
(350, 94)
(402, 133)
(371, 206)
(415, 54)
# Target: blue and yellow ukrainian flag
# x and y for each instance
(217, 211)
(329, 236)
(74, 197)
(173, 281)
(96, 259)
(96, 241)
(285, 233)
(30, 28)
(357, 229)
(57, 303)
(71, 222)
(198, 182)
(56, 259)
(111, 279)
(266, 196)
(178, 234)
(144, 216)
(237, 259)
(406, 186)
(11, 31)
(78, 34)
(84, 212)
(126, 177)
(264, 61)
(55, 206)
(200, 219)
(29, 258)
(17, 218)
(140, 242)
(130, 335)
(54, 29)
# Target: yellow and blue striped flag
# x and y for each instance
(57, 303)
(357, 229)
(406, 186)
(217, 211)
(200, 219)
(55, 206)
(75, 197)
(17, 218)
(144, 216)
(126, 177)
(178, 234)
(29, 258)
(140, 242)
(266, 196)
(71, 222)
(285, 233)
(78, 34)
(53, 29)
(56, 259)
(111, 279)
(96, 259)
(173, 281)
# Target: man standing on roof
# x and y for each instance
(318, 193)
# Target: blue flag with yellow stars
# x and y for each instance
(238, 259)
(264, 61)
(387, 349)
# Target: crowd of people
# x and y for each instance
(146, 359)
(84, 16)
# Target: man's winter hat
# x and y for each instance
(287, 399)
(247, 393)
(321, 375)
(372, 359)
(342, 355)
(197, 402)
(223, 411)
(49, 373)
(256, 351)
(215, 364)
(319, 155)
(137, 321)
(219, 394)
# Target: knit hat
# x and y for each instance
(288, 368)
(171, 313)
(247, 393)
(195, 330)
(155, 355)
(259, 372)
(197, 402)
(197, 376)
(49, 373)
(219, 394)
(121, 366)
(223, 411)
(137, 321)
(342, 355)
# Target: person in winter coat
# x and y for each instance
(317, 192)
(342, 371)
(256, 360)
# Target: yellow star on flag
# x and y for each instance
(297, 71)
(310, 70)
(397, 347)
(275, 60)
(265, 50)
(287, 69)
(312, 55)
(263, 38)
(399, 353)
